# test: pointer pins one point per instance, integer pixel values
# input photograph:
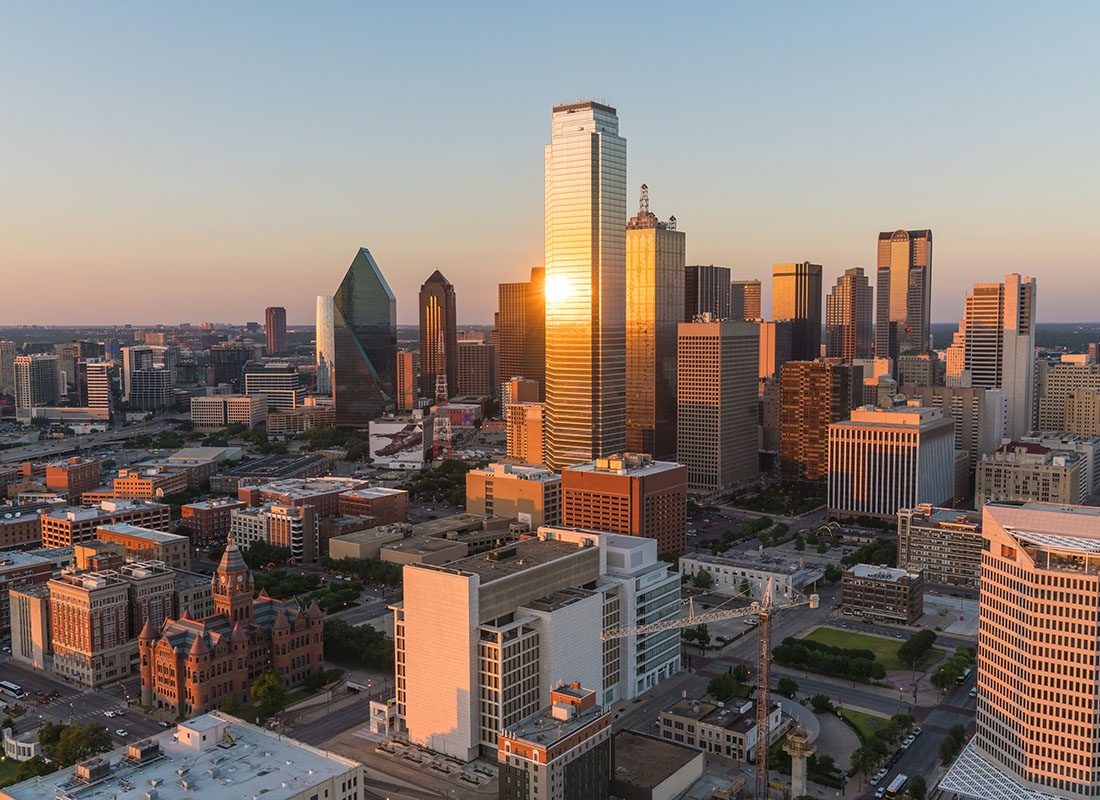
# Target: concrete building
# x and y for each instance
(945, 544)
(323, 494)
(732, 573)
(1057, 385)
(775, 347)
(8, 352)
(275, 329)
(220, 755)
(17, 570)
(849, 315)
(270, 469)
(387, 506)
(221, 410)
(812, 396)
(1037, 651)
(1028, 471)
(561, 751)
(648, 767)
(994, 347)
(887, 594)
(300, 420)
(706, 291)
(36, 381)
(716, 402)
(294, 527)
(727, 730)
(278, 382)
(525, 433)
(207, 521)
(477, 370)
(979, 414)
(585, 237)
(796, 297)
(654, 307)
(145, 543)
(528, 494)
(745, 301)
(904, 302)
(191, 595)
(244, 636)
(324, 343)
(365, 544)
(481, 642)
(65, 526)
(150, 483)
(920, 369)
(30, 626)
(883, 459)
(1083, 412)
(1087, 447)
(630, 494)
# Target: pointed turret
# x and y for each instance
(314, 611)
(199, 646)
(148, 632)
(281, 623)
(232, 585)
(185, 615)
(263, 595)
(239, 634)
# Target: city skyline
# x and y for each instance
(243, 191)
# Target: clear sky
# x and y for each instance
(167, 162)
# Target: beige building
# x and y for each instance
(978, 414)
(525, 493)
(883, 459)
(849, 315)
(525, 432)
(943, 543)
(775, 347)
(364, 544)
(1057, 386)
(1083, 412)
(716, 403)
(168, 548)
(221, 410)
(69, 525)
(30, 626)
(477, 370)
(721, 729)
(1027, 471)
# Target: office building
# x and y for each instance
(300, 420)
(585, 237)
(648, 767)
(36, 381)
(745, 301)
(883, 459)
(324, 344)
(89, 627)
(945, 544)
(902, 321)
(221, 410)
(207, 521)
(68, 353)
(521, 330)
(994, 347)
(747, 575)
(19, 525)
(775, 347)
(706, 291)
(885, 594)
(529, 494)
(771, 416)
(481, 643)
(321, 493)
(275, 329)
(365, 334)
(65, 526)
(716, 404)
(278, 382)
(8, 352)
(722, 729)
(1058, 384)
(148, 377)
(147, 544)
(1025, 471)
(849, 314)
(295, 528)
(1087, 447)
(18, 570)
(1037, 647)
(630, 494)
(94, 385)
(243, 633)
(29, 614)
(979, 414)
(385, 505)
(561, 751)
(477, 370)
(72, 477)
(812, 396)
(654, 302)
(874, 370)
(920, 369)
(151, 483)
(227, 363)
(406, 380)
(438, 337)
(796, 297)
(1083, 412)
(518, 389)
(526, 432)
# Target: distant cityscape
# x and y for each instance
(638, 537)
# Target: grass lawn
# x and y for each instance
(8, 768)
(866, 725)
(885, 650)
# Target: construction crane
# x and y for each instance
(763, 609)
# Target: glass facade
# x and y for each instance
(904, 293)
(848, 310)
(365, 337)
(438, 335)
(585, 170)
(796, 296)
(325, 352)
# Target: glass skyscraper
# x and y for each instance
(325, 346)
(796, 296)
(585, 168)
(365, 336)
(438, 335)
(904, 293)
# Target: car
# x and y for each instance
(55, 693)
(43, 700)
(878, 776)
(908, 741)
(121, 733)
(724, 639)
(899, 636)
(844, 624)
(164, 724)
(880, 791)
(973, 691)
(109, 714)
(918, 730)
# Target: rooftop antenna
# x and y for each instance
(643, 205)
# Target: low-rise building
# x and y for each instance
(73, 476)
(884, 593)
(18, 570)
(562, 751)
(387, 506)
(364, 544)
(217, 754)
(30, 626)
(525, 493)
(65, 526)
(218, 411)
(322, 494)
(149, 484)
(732, 573)
(727, 730)
(169, 548)
(270, 468)
(1028, 471)
(20, 526)
(1087, 447)
(207, 521)
(292, 527)
(943, 543)
(645, 767)
(300, 420)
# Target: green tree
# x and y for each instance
(8, 723)
(916, 647)
(269, 692)
(918, 787)
(787, 687)
(799, 542)
(832, 573)
(33, 767)
(232, 707)
(67, 744)
(821, 703)
(703, 579)
(740, 673)
(724, 686)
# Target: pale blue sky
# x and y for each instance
(200, 161)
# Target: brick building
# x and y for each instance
(883, 593)
(69, 525)
(387, 506)
(321, 493)
(19, 570)
(73, 476)
(170, 548)
(207, 521)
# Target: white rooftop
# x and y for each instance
(633, 464)
(142, 533)
(879, 573)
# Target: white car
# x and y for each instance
(908, 741)
(878, 776)
(121, 733)
(109, 714)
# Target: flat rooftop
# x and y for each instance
(542, 728)
(878, 573)
(15, 559)
(138, 532)
(276, 466)
(647, 761)
(372, 492)
(105, 509)
(772, 564)
(513, 559)
(521, 472)
(213, 503)
(302, 488)
(369, 535)
(259, 764)
(630, 464)
(559, 599)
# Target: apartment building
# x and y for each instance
(524, 431)
(148, 544)
(1028, 471)
(221, 410)
(292, 527)
(529, 494)
(887, 594)
(945, 544)
(207, 521)
(69, 525)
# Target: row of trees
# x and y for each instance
(874, 749)
(952, 744)
(916, 647)
(67, 744)
(357, 645)
(952, 669)
(874, 553)
(368, 570)
(857, 665)
(283, 585)
(256, 555)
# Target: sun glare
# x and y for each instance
(557, 288)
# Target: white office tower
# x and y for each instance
(585, 237)
(994, 347)
(325, 344)
(482, 641)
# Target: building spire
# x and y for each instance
(643, 204)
